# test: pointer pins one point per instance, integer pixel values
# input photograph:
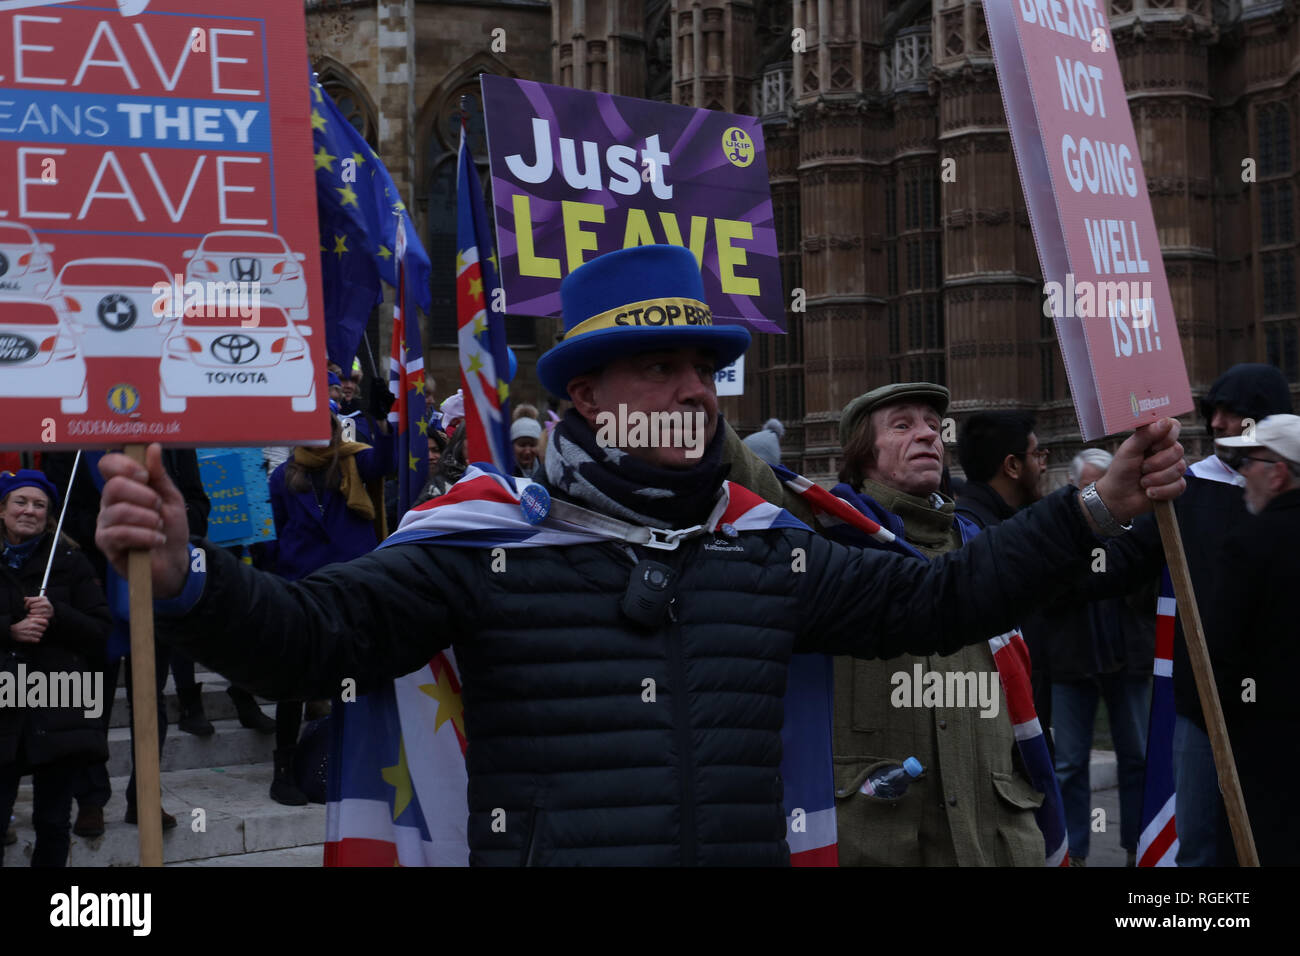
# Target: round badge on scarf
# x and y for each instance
(729, 531)
(535, 503)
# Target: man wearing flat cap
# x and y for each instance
(974, 806)
(654, 568)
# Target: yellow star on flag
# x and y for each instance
(340, 245)
(414, 462)
(315, 91)
(503, 390)
(479, 326)
(460, 260)
(385, 252)
(359, 158)
(324, 160)
(423, 426)
(476, 288)
(317, 121)
(450, 706)
(399, 778)
(399, 206)
(475, 364)
(348, 195)
(493, 259)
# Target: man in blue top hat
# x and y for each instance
(624, 693)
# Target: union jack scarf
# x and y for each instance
(397, 782)
(846, 523)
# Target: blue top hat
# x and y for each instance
(630, 301)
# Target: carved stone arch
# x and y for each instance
(432, 126)
(351, 96)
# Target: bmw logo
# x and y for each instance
(116, 312)
(124, 399)
(234, 349)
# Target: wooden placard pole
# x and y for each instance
(144, 699)
(1229, 783)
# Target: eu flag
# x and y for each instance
(360, 213)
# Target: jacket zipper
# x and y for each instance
(536, 822)
(682, 728)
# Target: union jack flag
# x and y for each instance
(406, 381)
(481, 325)
(1158, 842)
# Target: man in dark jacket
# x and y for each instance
(1005, 469)
(563, 746)
(1251, 629)
(1210, 508)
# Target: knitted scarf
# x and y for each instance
(616, 483)
(351, 486)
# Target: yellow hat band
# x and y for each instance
(648, 313)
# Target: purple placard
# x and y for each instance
(662, 174)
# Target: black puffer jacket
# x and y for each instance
(560, 737)
(72, 644)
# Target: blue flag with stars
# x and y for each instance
(360, 211)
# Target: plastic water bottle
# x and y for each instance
(890, 782)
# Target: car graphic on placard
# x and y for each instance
(252, 257)
(112, 304)
(207, 357)
(40, 355)
(25, 265)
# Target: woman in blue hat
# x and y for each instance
(63, 631)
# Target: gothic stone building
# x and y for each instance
(898, 207)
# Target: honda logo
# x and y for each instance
(234, 349)
(246, 270)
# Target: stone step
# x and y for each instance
(239, 818)
(293, 856)
(231, 745)
(217, 704)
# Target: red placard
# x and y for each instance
(159, 252)
(1087, 196)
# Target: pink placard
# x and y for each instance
(1091, 215)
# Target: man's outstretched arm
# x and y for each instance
(375, 618)
(876, 604)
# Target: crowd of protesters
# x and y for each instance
(1090, 635)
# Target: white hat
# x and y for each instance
(1280, 434)
(453, 407)
(525, 427)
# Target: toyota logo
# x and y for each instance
(116, 312)
(234, 349)
(246, 270)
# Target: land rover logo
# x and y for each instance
(16, 348)
(245, 270)
(234, 349)
(4, 264)
(116, 312)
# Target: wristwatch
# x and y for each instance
(1101, 514)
